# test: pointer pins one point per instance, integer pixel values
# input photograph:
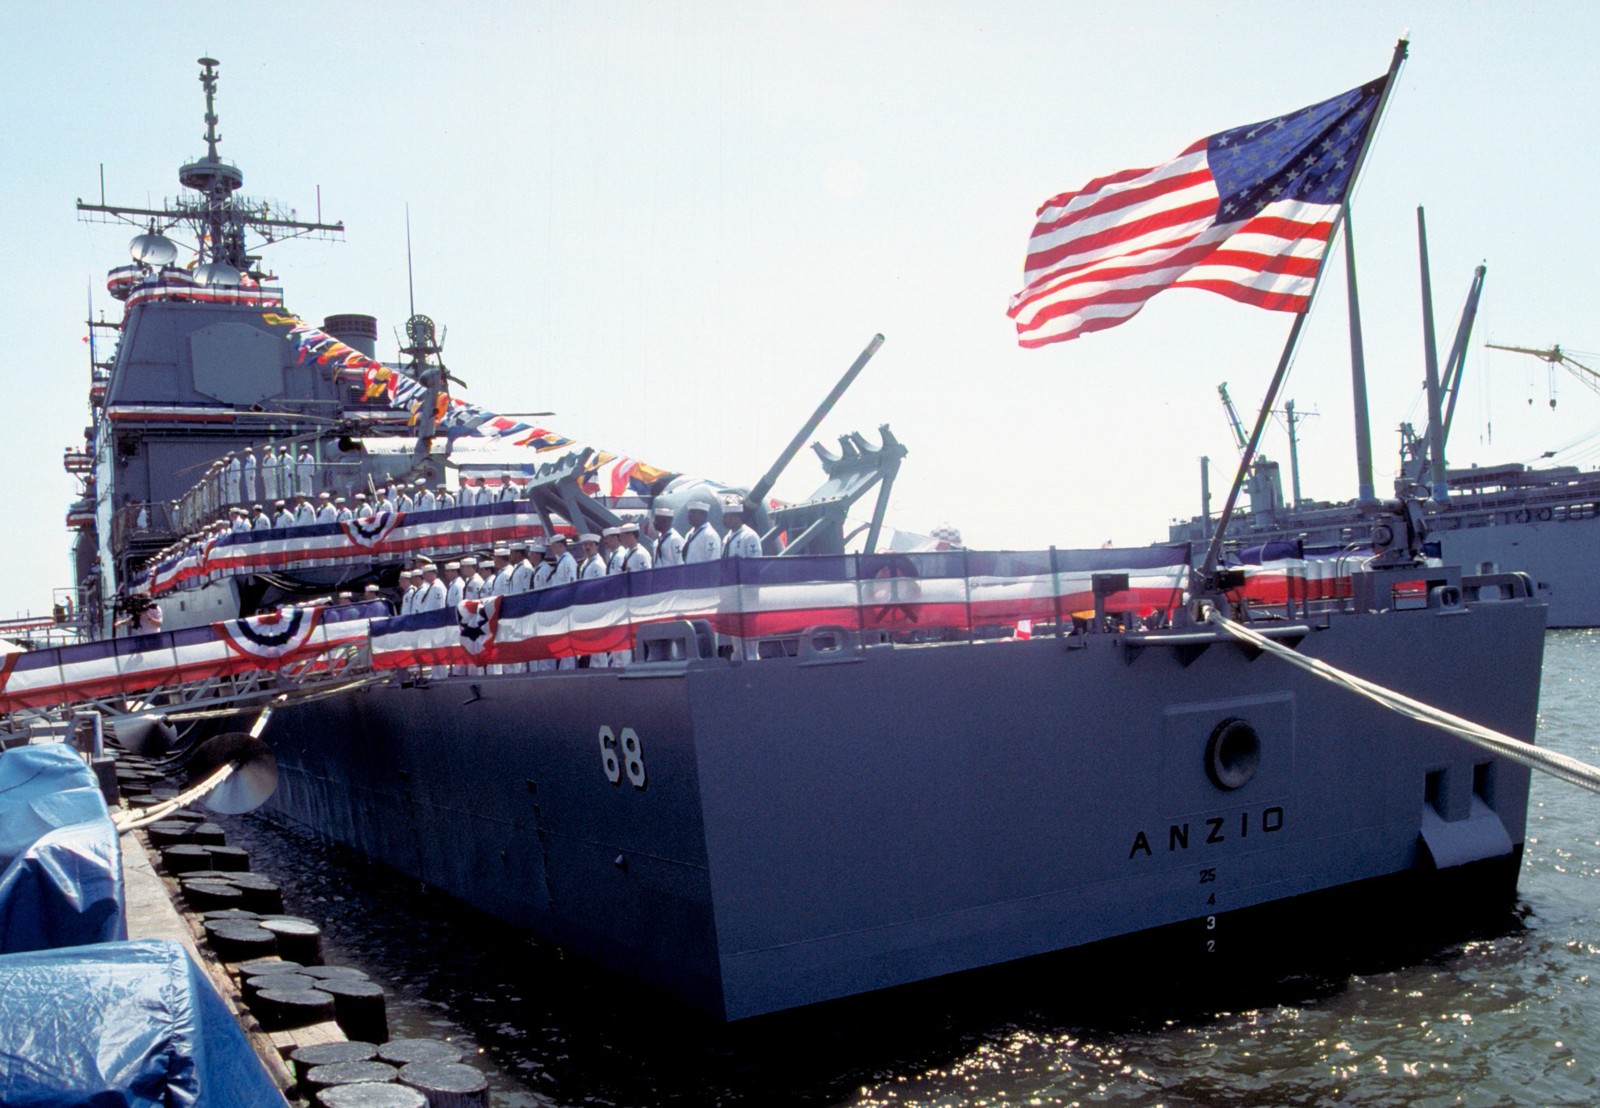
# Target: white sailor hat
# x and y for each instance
(516, 546)
(279, 504)
(361, 496)
(732, 507)
(501, 552)
(324, 496)
(345, 594)
(255, 507)
(663, 512)
(469, 560)
(370, 588)
(611, 532)
(338, 500)
(404, 573)
(536, 547)
(699, 504)
(629, 529)
(452, 565)
(557, 537)
(589, 536)
(420, 481)
(249, 449)
(430, 568)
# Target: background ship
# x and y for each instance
(871, 787)
(1542, 521)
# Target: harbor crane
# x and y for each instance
(1556, 357)
(1292, 418)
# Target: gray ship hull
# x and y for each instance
(760, 836)
(1558, 553)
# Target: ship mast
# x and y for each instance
(219, 219)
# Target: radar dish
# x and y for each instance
(218, 274)
(153, 250)
(419, 329)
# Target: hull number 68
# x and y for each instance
(622, 755)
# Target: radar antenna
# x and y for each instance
(218, 219)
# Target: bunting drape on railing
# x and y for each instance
(140, 664)
(1283, 571)
(933, 593)
(385, 536)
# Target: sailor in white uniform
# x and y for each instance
(447, 499)
(669, 544)
(284, 517)
(543, 567)
(740, 541)
(701, 544)
(261, 521)
(326, 513)
(471, 580)
(566, 566)
(591, 567)
(232, 477)
(455, 589)
(431, 596)
(306, 473)
(247, 474)
(521, 568)
(269, 474)
(304, 513)
(240, 523)
(500, 583)
(341, 510)
(408, 592)
(635, 555)
(468, 496)
(403, 502)
(285, 473)
(590, 564)
(363, 509)
(611, 548)
(565, 572)
(424, 500)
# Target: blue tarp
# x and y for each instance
(60, 862)
(122, 1025)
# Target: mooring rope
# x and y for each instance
(1552, 762)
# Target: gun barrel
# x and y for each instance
(759, 490)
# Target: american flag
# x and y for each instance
(1246, 213)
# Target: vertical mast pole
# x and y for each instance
(1294, 453)
(1366, 493)
(1430, 358)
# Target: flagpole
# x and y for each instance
(1214, 550)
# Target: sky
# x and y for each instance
(676, 224)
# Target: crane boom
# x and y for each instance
(1239, 436)
(1557, 357)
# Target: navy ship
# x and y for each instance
(828, 771)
